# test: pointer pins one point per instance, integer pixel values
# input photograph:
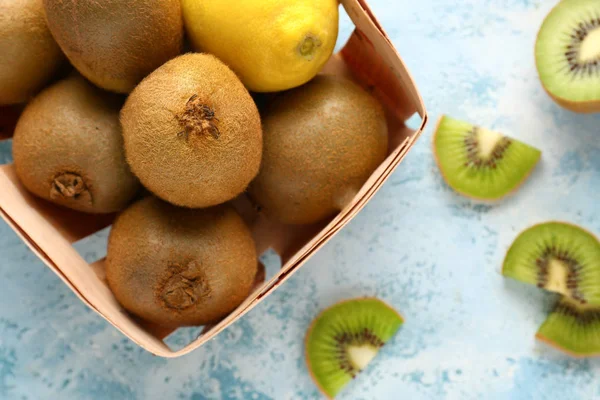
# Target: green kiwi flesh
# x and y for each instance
(567, 53)
(558, 257)
(180, 267)
(116, 43)
(192, 132)
(572, 328)
(480, 163)
(343, 339)
(322, 141)
(68, 148)
(30, 56)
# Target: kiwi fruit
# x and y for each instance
(68, 148)
(322, 141)
(180, 267)
(572, 328)
(558, 257)
(192, 132)
(30, 56)
(116, 43)
(343, 339)
(480, 163)
(567, 54)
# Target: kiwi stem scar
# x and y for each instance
(198, 118)
(68, 185)
(184, 287)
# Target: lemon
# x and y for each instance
(272, 45)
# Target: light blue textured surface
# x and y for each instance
(435, 256)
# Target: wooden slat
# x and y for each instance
(368, 57)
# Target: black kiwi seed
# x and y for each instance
(472, 145)
(366, 336)
(567, 55)
(559, 257)
(572, 328)
(590, 67)
(344, 338)
(570, 263)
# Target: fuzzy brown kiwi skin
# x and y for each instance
(311, 327)
(116, 43)
(467, 195)
(180, 267)
(30, 56)
(322, 141)
(68, 148)
(192, 132)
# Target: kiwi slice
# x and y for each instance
(558, 257)
(567, 54)
(179, 267)
(573, 328)
(344, 338)
(480, 163)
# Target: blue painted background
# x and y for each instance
(435, 256)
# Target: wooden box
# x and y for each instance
(368, 57)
